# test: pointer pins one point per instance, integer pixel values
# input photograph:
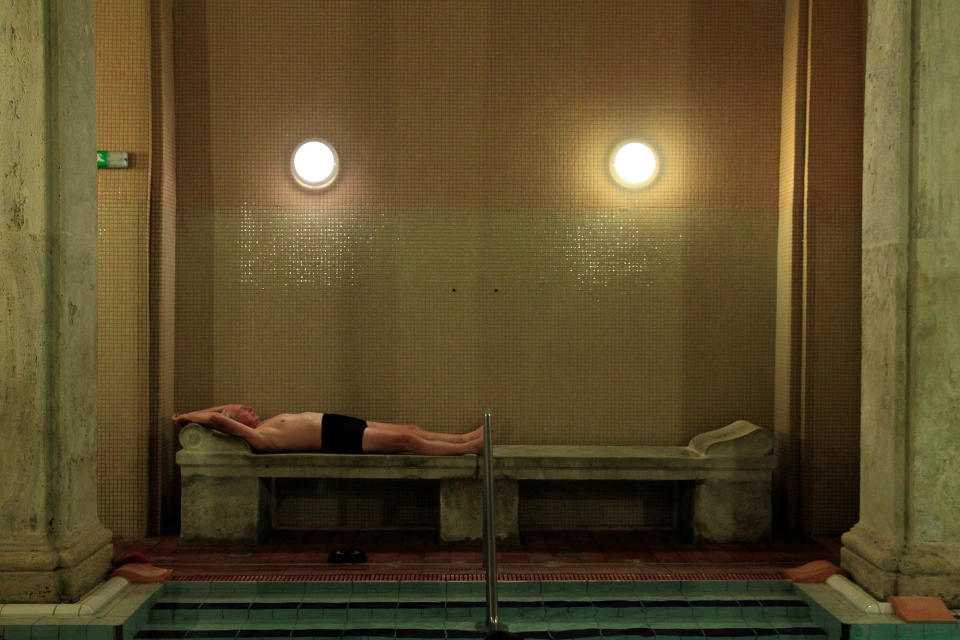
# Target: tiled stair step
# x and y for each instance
(798, 632)
(237, 608)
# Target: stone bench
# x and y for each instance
(725, 475)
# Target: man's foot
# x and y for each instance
(473, 435)
(476, 446)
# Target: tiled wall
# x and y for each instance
(164, 488)
(136, 234)
(817, 392)
(474, 252)
(789, 343)
(122, 41)
(832, 208)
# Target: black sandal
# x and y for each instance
(338, 556)
(356, 556)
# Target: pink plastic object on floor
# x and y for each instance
(921, 609)
(142, 573)
(816, 571)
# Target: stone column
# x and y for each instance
(52, 545)
(908, 538)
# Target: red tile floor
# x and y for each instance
(391, 554)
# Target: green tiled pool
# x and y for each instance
(531, 609)
(548, 609)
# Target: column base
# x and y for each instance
(49, 575)
(914, 570)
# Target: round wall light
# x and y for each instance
(634, 164)
(315, 164)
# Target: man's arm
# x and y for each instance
(200, 417)
(223, 424)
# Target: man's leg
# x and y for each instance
(428, 435)
(377, 440)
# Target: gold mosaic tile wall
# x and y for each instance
(474, 252)
(817, 411)
(164, 488)
(136, 271)
(830, 461)
(789, 344)
(122, 42)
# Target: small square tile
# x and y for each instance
(434, 613)
(578, 634)
(650, 589)
(859, 632)
(941, 631)
(610, 589)
(883, 631)
(219, 589)
(16, 631)
(421, 633)
(160, 615)
(461, 614)
(566, 590)
(95, 632)
(910, 631)
(292, 589)
(469, 590)
(327, 616)
(731, 614)
(374, 588)
(426, 590)
(638, 613)
(407, 617)
(333, 589)
(372, 631)
(316, 633)
(239, 614)
(517, 615)
(517, 589)
(73, 632)
(207, 613)
(196, 589)
(697, 588)
(381, 617)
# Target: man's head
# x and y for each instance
(242, 414)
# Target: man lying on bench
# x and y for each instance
(330, 433)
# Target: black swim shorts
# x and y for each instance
(341, 434)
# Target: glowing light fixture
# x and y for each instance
(634, 164)
(315, 164)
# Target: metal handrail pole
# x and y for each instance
(490, 529)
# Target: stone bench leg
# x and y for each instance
(217, 510)
(728, 511)
(461, 510)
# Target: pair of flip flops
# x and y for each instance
(344, 556)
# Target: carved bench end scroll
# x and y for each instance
(740, 438)
(196, 437)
